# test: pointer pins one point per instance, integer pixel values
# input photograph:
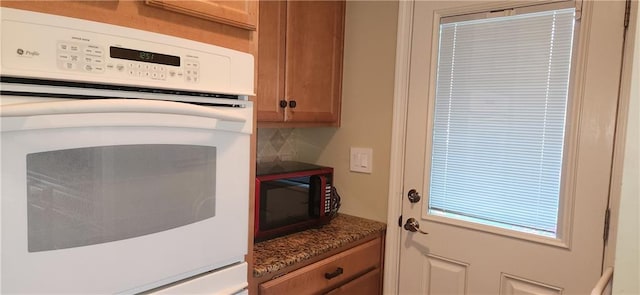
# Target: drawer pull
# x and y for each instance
(331, 275)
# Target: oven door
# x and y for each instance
(121, 196)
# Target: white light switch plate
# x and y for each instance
(361, 160)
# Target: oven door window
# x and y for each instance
(86, 196)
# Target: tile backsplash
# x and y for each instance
(276, 144)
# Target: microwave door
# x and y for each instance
(291, 203)
(284, 202)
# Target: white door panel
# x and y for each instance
(510, 285)
(445, 276)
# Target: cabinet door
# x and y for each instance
(368, 283)
(271, 61)
(314, 48)
(243, 14)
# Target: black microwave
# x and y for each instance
(291, 196)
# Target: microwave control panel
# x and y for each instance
(327, 198)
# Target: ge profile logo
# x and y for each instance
(27, 53)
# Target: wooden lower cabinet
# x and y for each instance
(357, 270)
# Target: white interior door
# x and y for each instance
(481, 160)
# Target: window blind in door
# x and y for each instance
(499, 120)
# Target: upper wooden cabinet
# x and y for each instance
(300, 48)
(239, 13)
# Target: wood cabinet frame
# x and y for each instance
(242, 14)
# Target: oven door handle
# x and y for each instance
(92, 106)
(123, 113)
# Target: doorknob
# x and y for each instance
(413, 226)
(414, 196)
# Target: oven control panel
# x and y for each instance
(92, 58)
(68, 49)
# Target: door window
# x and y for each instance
(499, 119)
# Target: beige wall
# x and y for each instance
(367, 100)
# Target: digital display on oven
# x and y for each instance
(144, 56)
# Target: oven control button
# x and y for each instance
(63, 46)
(120, 68)
(88, 68)
(192, 73)
(74, 48)
(69, 65)
(63, 57)
(99, 69)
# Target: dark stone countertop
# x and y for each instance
(273, 255)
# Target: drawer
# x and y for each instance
(368, 284)
(340, 269)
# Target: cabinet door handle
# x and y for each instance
(331, 275)
(283, 103)
(293, 104)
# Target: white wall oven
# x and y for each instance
(125, 160)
